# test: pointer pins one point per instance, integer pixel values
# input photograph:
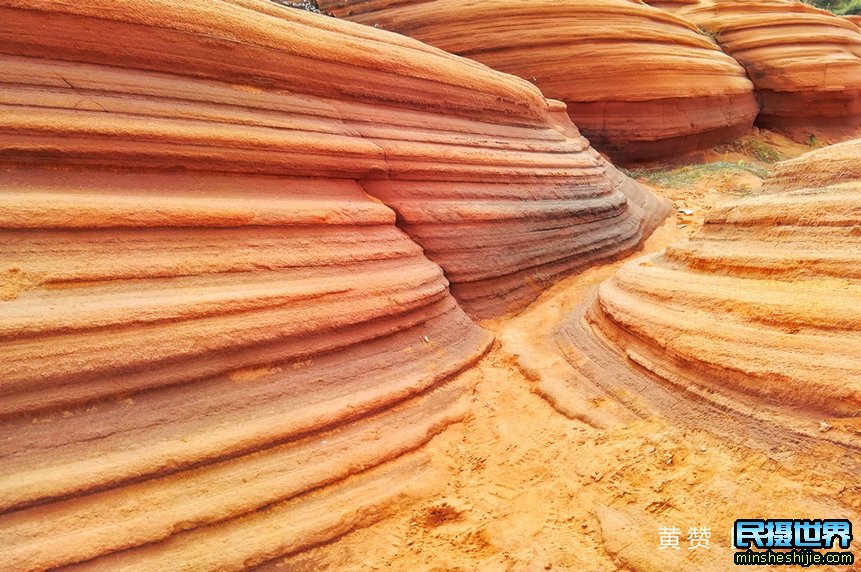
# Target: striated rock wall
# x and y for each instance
(639, 82)
(181, 350)
(207, 320)
(824, 167)
(497, 136)
(762, 305)
(804, 62)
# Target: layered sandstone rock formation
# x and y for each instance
(206, 318)
(639, 82)
(804, 62)
(761, 307)
(451, 130)
(181, 350)
(824, 167)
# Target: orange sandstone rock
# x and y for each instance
(182, 349)
(206, 318)
(760, 311)
(639, 82)
(467, 141)
(804, 62)
(824, 167)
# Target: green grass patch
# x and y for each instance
(761, 151)
(682, 177)
(842, 7)
(709, 33)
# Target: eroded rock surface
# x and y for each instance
(824, 167)
(760, 307)
(206, 318)
(751, 305)
(639, 82)
(804, 62)
(451, 130)
(526, 487)
(454, 147)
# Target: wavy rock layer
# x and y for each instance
(205, 316)
(177, 347)
(824, 167)
(762, 307)
(323, 103)
(640, 83)
(804, 62)
(162, 378)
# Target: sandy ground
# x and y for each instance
(522, 486)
